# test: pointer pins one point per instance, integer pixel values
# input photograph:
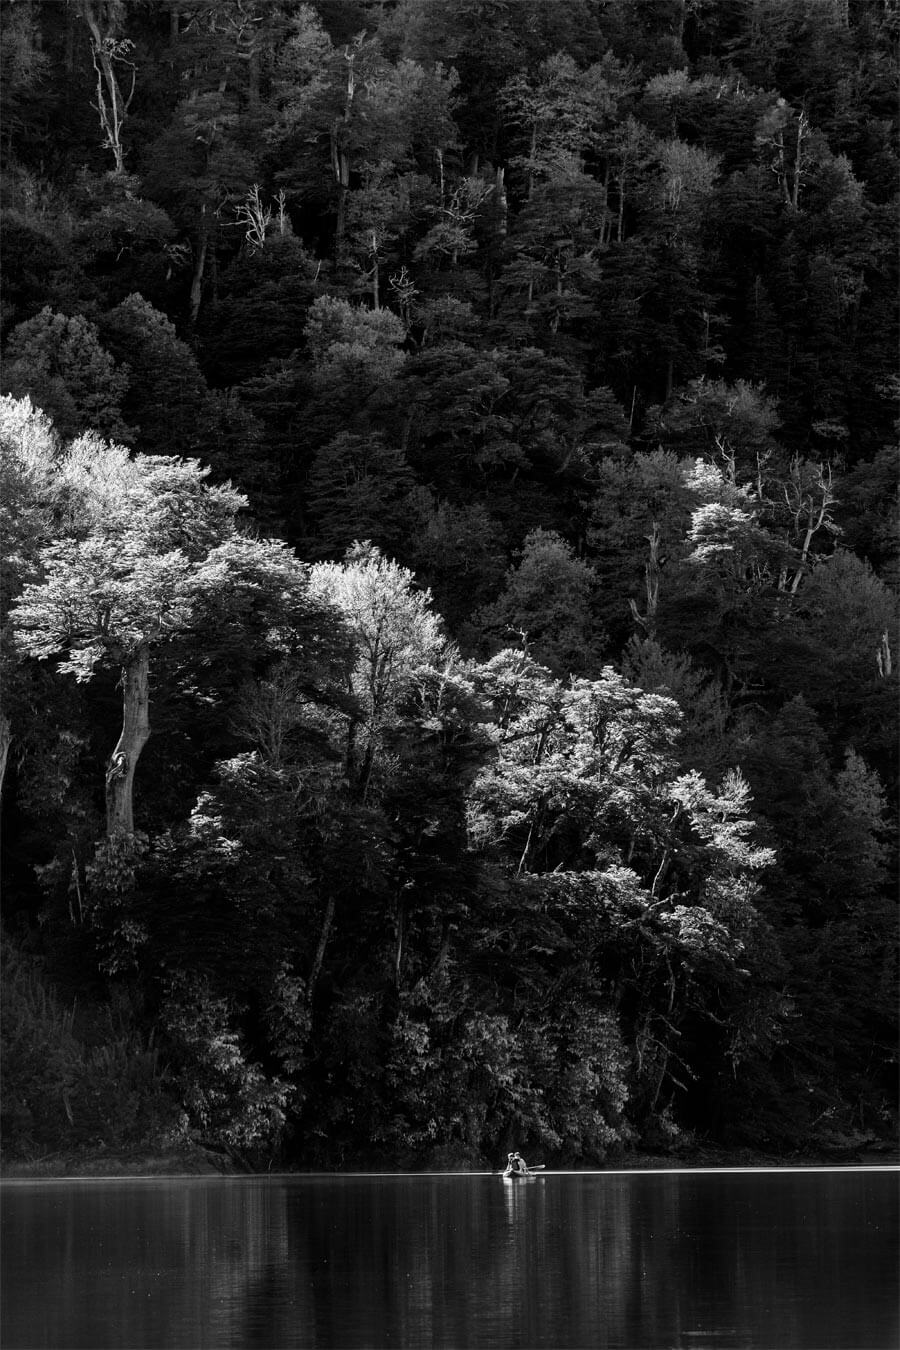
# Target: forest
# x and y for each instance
(449, 578)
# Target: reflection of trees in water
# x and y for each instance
(454, 1260)
(449, 1258)
(411, 1248)
(161, 1263)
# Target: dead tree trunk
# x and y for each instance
(134, 736)
(652, 568)
(112, 104)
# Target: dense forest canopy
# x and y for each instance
(450, 572)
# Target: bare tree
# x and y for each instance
(256, 218)
(115, 72)
(809, 497)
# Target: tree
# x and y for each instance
(23, 65)
(725, 601)
(38, 268)
(358, 485)
(116, 72)
(563, 113)
(809, 497)
(167, 397)
(483, 43)
(457, 552)
(837, 650)
(551, 251)
(28, 450)
(164, 548)
(262, 302)
(549, 598)
(638, 518)
(60, 363)
(705, 743)
(352, 344)
(735, 424)
(199, 165)
(782, 138)
(831, 905)
(870, 499)
(584, 799)
(124, 242)
(362, 134)
(396, 636)
(454, 420)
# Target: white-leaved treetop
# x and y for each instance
(151, 551)
(396, 634)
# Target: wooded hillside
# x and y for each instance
(449, 588)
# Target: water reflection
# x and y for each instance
(766, 1260)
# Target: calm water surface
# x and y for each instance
(804, 1260)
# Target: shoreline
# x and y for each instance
(201, 1162)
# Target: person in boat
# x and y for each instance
(516, 1165)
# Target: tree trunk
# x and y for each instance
(197, 281)
(883, 658)
(681, 20)
(782, 167)
(606, 219)
(5, 742)
(365, 773)
(340, 159)
(798, 161)
(529, 191)
(620, 223)
(135, 734)
(500, 204)
(320, 949)
(112, 105)
(400, 931)
(376, 291)
(651, 586)
(340, 226)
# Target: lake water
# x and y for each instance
(711, 1259)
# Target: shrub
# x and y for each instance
(40, 1056)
